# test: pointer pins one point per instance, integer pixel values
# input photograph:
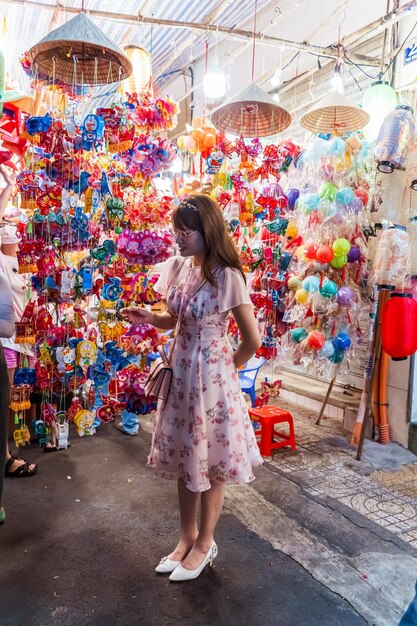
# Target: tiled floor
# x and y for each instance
(324, 463)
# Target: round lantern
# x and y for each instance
(379, 100)
(294, 283)
(338, 261)
(341, 246)
(324, 254)
(298, 334)
(301, 295)
(311, 283)
(354, 254)
(141, 63)
(316, 340)
(345, 296)
(328, 349)
(337, 357)
(399, 323)
(328, 288)
(310, 250)
(342, 342)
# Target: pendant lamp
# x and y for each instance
(379, 99)
(252, 113)
(79, 53)
(334, 113)
(140, 77)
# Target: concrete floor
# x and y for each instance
(83, 536)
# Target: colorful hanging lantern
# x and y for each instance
(399, 324)
(395, 139)
(379, 100)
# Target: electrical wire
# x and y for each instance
(380, 75)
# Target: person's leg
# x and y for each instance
(188, 501)
(4, 416)
(211, 508)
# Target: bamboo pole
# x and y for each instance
(233, 33)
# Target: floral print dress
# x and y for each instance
(203, 432)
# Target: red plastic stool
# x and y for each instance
(268, 416)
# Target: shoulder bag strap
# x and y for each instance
(179, 319)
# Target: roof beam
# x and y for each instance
(233, 33)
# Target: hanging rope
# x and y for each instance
(254, 40)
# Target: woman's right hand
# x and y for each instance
(137, 315)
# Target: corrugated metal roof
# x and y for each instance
(27, 23)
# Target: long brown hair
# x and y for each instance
(201, 213)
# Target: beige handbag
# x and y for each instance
(158, 382)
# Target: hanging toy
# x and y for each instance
(92, 131)
(214, 161)
(115, 210)
(21, 436)
(20, 397)
(84, 421)
(86, 353)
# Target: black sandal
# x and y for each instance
(20, 472)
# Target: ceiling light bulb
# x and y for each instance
(337, 82)
(214, 83)
(275, 97)
(276, 77)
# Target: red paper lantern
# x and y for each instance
(316, 339)
(324, 254)
(399, 323)
(310, 251)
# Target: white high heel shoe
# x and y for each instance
(166, 566)
(180, 573)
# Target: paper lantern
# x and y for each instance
(311, 283)
(316, 340)
(329, 288)
(345, 296)
(379, 100)
(78, 52)
(298, 334)
(342, 342)
(391, 262)
(324, 254)
(395, 139)
(140, 77)
(399, 323)
(412, 231)
(388, 198)
(341, 246)
(301, 295)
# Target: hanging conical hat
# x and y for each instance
(252, 113)
(334, 112)
(78, 52)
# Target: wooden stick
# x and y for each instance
(326, 399)
(382, 297)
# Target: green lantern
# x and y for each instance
(115, 209)
(378, 101)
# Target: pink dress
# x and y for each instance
(203, 432)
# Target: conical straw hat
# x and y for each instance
(252, 113)
(334, 113)
(78, 52)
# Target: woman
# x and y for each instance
(202, 436)
(15, 467)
